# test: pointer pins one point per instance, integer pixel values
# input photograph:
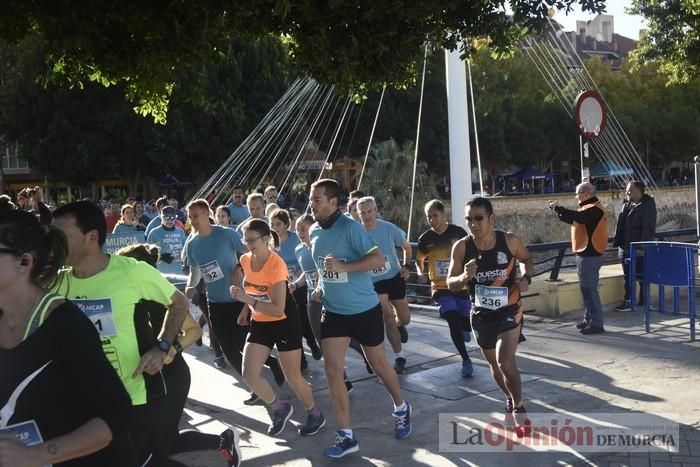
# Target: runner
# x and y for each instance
(274, 323)
(256, 207)
(280, 223)
(170, 241)
(56, 383)
(390, 278)
(237, 210)
(177, 379)
(222, 216)
(128, 222)
(485, 261)
(107, 288)
(344, 254)
(211, 254)
(435, 246)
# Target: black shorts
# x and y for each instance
(394, 287)
(367, 327)
(488, 325)
(285, 333)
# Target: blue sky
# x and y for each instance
(625, 24)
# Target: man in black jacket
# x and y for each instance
(636, 223)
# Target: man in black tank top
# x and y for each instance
(485, 262)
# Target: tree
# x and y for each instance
(355, 45)
(672, 38)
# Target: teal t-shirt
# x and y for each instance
(346, 293)
(238, 213)
(153, 224)
(306, 262)
(388, 237)
(287, 252)
(124, 229)
(172, 242)
(215, 256)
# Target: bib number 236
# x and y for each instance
(491, 298)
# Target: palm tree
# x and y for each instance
(389, 178)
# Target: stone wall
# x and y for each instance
(531, 219)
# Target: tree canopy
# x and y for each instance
(672, 38)
(356, 45)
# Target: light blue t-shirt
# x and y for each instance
(124, 228)
(215, 256)
(306, 262)
(286, 251)
(346, 293)
(388, 237)
(238, 213)
(156, 222)
(172, 242)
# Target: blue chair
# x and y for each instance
(666, 264)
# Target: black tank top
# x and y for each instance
(495, 285)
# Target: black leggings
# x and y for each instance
(300, 295)
(458, 323)
(230, 335)
(177, 378)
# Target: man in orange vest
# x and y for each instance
(589, 240)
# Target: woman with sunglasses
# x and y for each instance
(486, 263)
(274, 322)
(61, 402)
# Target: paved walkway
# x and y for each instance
(621, 371)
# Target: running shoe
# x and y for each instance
(402, 427)
(592, 330)
(313, 424)
(252, 400)
(623, 307)
(229, 448)
(220, 363)
(467, 368)
(316, 352)
(467, 335)
(582, 324)
(510, 419)
(341, 446)
(523, 425)
(403, 333)
(277, 372)
(400, 365)
(280, 418)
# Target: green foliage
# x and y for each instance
(357, 45)
(672, 38)
(389, 178)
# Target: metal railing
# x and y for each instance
(558, 261)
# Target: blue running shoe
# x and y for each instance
(342, 446)
(467, 336)
(467, 368)
(279, 418)
(313, 424)
(402, 429)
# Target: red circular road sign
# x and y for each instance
(590, 113)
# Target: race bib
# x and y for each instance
(442, 267)
(211, 271)
(26, 433)
(491, 298)
(99, 310)
(311, 280)
(291, 273)
(381, 270)
(332, 277)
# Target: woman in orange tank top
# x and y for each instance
(273, 323)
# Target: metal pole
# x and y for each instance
(697, 195)
(458, 120)
(580, 150)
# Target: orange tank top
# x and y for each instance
(258, 284)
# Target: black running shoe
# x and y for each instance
(229, 448)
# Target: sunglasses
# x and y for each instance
(169, 218)
(478, 218)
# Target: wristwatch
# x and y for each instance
(164, 345)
